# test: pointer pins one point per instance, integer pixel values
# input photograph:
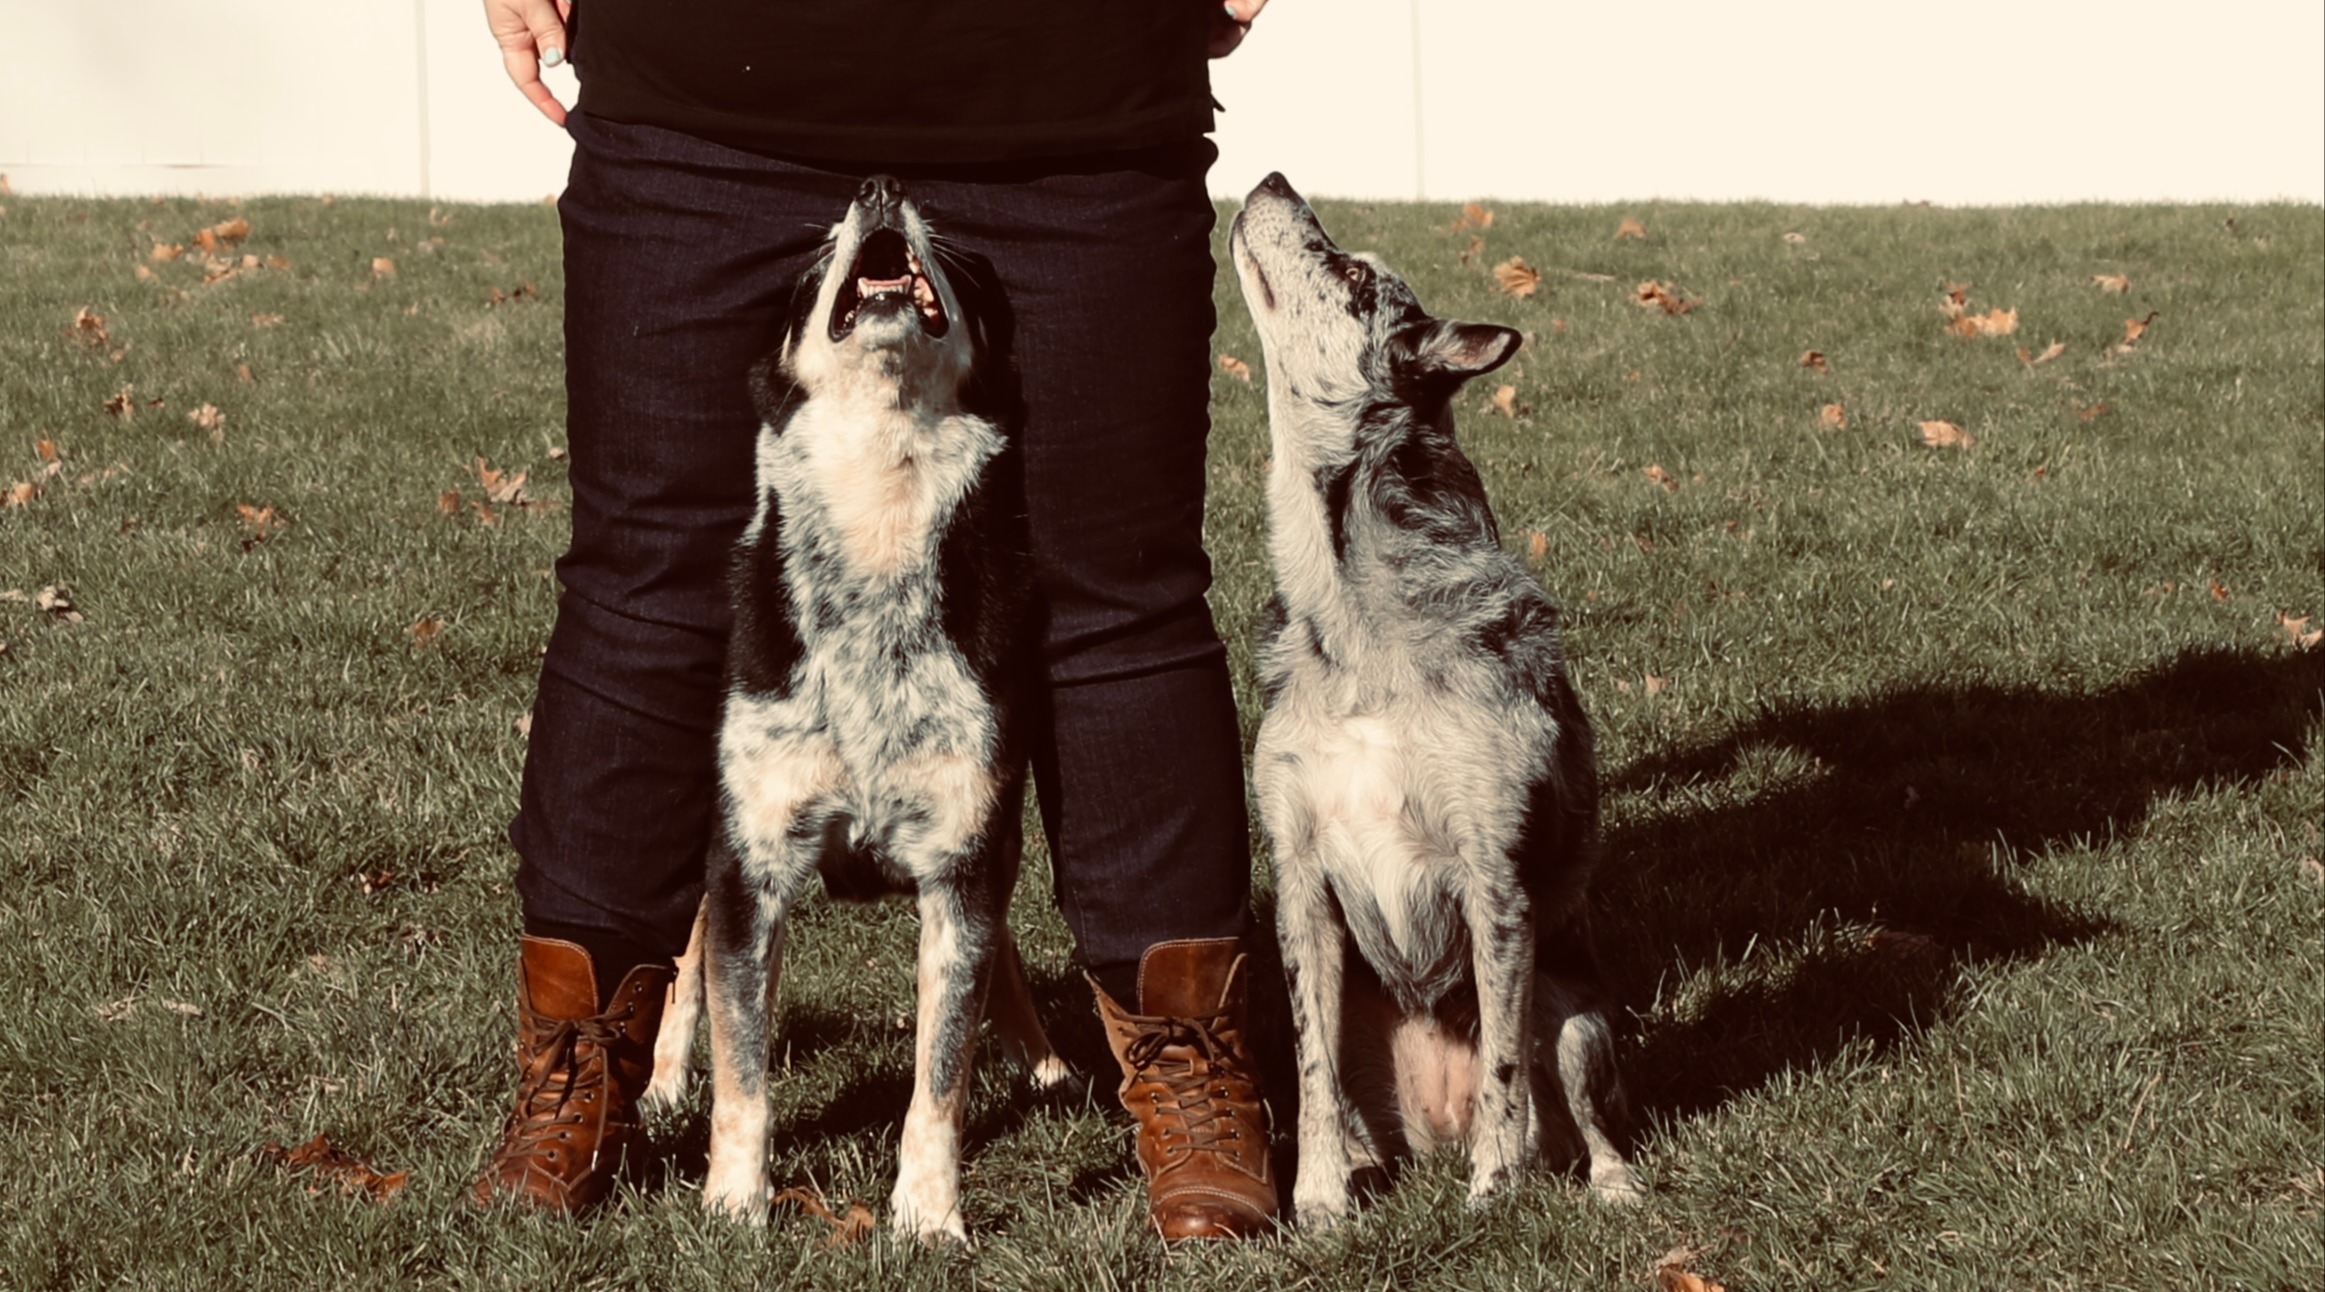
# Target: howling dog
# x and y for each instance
(872, 730)
(1424, 768)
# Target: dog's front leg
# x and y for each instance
(742, 955)
(958, 936)
(1315, 946)
(1501, 951)
(674, 1043)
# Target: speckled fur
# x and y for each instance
(871, 732)
(1424, 768)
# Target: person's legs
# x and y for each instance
(678, 262)
(1137, 758)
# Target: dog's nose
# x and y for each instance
(881, 194)
(1275, 185)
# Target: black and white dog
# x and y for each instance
(1424, 768)
(872, 730)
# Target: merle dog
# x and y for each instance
(1424, 768)
(872, 728)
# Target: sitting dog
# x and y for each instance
(872, 728)
(1424, 768)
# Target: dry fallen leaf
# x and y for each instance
(1473, 216)
(448, 502)
(1517, 278)
(1630, 228)
(1476, 244)
(1505, 400)
(845, 1229)
(57, 604)
(207, 417)
(258, 523)
(1663, 295)
(423, 631)
(502, 486)
(1796, 239)
(1995, 322)
(1832, 417)
(2112, 282)
(2219, 589)
(1671, 1278)
(382, 267)
(1654, 685)
(1814, 361)
(89, 329)
(222, 233)
(1656, 473)
(1235, 368)
(164, 252)
(1537, 544)
(336, 1166)
(2050, 352)
(2133, 329)
(20, 494)
(1941, 434)
(265, 320)
(2087, 413)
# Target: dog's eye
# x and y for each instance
(1355, 271)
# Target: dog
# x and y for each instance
(872, 729)
(1423, 768)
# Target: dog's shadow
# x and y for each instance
(1874, 847)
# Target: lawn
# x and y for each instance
(1962, 889)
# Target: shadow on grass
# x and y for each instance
(1911, 813)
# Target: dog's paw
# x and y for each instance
(1320, 1209)
(1052, 1079)
(667, 1090)
(1613, 1183)
(1487, 1186)
(913, 1224)
(743, 1204)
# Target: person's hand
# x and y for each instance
(531, 34)
(1231, 24)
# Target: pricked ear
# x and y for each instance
(1460, 351)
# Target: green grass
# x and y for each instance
(1961, 888)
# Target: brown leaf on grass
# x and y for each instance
(1654, 685)
(1942, 434)
(223, 233)
(1957, 300)
(1832, 417)
(57, 603)
(331, 1165)
(1664, 296)
(1994, 322)
(165, 252)
(1814, 361)
(516, 295)
(1235, 368)
(1671, 1278)
(2219, 589)
(207, 417)
(423, 632)
(448, 502)
(1630, 228)
(20, 494)
(89, 329)
(1476, 244)
(2298, 630)
(1795, 239)
(2112, 282)
(2086, 413)
(1472, 216)
(382, 267)
(502, 486)
(846, 1229)
(1516, 278)
(1656, 473)
(2050, 352)
(258, 523)
(1537, 544)
(1505, 400)
(485, 515)
(243, 374)
(2133, 330)
(265, 320)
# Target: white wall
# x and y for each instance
(1974, 101)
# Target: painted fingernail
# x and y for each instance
(552, 56)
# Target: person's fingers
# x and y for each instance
(1232, 24)
(531, 34)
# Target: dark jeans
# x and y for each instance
(679, 256)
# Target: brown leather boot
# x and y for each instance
(1189, 1080)
(580, 1074)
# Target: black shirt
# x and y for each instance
(901, 80)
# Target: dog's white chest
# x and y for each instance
(877, 485)
(1382, 841)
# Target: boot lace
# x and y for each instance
(1202, 1071)
(563, 1084)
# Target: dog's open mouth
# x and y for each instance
(887, 277)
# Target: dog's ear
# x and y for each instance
(1442, 350)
